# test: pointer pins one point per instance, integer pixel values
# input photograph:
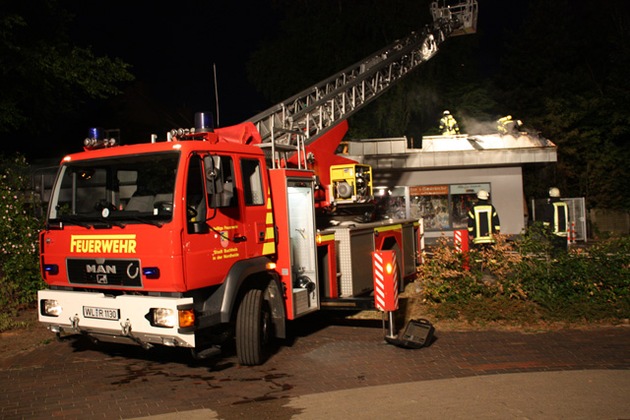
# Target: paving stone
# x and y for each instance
(77, 380)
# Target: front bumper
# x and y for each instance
(123, 319)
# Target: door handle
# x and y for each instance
(239, 238)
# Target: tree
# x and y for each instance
(42, 75)
(572, 84)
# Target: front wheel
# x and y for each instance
(253, 323)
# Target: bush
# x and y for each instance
(582, 284)
(444, 278)
(528, 279)
(19, 264)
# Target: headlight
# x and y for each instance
(170, 318)
(164, 317)
(50, 307)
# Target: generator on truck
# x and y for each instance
(224, 233)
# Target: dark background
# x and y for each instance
(172, 47)
(560, 66)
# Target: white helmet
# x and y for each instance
(446, 112)
(483, 194)
(554, 192)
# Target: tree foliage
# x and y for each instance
(571, 84)
(42, 74)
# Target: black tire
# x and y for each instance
(253, 325)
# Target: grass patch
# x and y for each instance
(8, 322)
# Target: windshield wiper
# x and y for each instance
(89, 222)
(144, 220)
(107, 223)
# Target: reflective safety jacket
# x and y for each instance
(556, 215)
(483, 222)
(507, 125)
(448, 126)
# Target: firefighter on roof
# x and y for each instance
(556, 218)
(483, 221)
(506, 125)
(448, 124)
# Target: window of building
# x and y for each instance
(431, 203)
(442, 206)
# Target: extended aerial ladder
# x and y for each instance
(293, 124)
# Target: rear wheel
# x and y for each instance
(253, 324)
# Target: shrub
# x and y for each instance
(442, 277)
(19, 265)
(589, 284)
(528, 278)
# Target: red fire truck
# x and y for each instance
(216, 234)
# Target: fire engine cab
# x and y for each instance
(226, 233)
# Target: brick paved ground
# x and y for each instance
(76, 380)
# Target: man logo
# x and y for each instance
(100, 269)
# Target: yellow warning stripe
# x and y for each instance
(269, 246)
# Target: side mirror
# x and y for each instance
(214, 174)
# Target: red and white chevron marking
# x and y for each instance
(385, 286)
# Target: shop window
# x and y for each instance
(443, 207)
(430, 202)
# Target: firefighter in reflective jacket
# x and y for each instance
(448, 124)
(556, 217)
(483, 221)
(506, 125)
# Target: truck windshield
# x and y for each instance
(121, 190)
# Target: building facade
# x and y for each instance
(438, 181)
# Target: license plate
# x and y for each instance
(101, 313)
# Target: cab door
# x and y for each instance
(213, 238)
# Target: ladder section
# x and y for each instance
(303, 118)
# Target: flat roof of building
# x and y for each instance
(453, 151)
